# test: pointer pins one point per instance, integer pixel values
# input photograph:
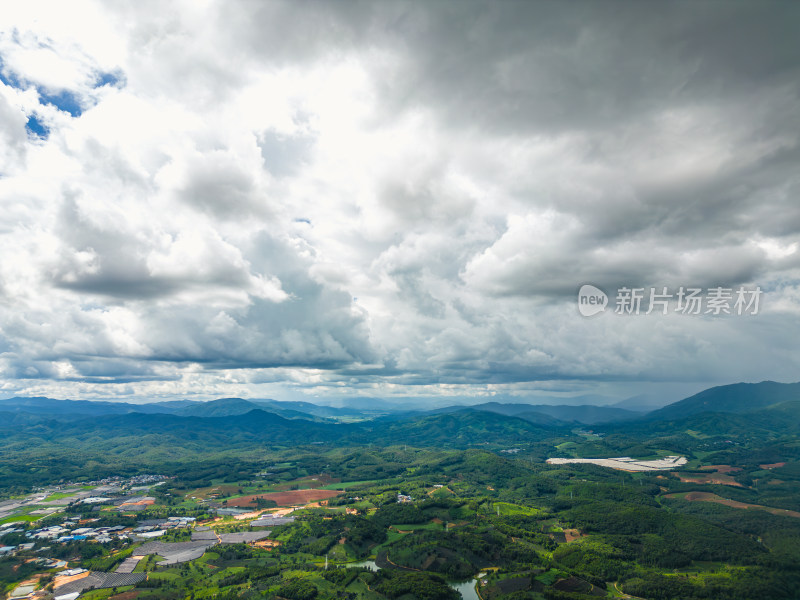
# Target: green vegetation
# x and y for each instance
(429, 500)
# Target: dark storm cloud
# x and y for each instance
(593, 69)
(544, 66)
(287, 33)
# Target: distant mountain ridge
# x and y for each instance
(736, 398)
(89, 407)
(221, 407)
(544, 414)
(765, 409)
(130, 431)
(766, 406)
(229, 407)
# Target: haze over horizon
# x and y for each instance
(395, 200)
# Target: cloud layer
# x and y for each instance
(393, 199)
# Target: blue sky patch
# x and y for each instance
(63, 100)
(116, 79)
(37, 128)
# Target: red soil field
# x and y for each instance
(573, 534)
(721, 468)
(708, 497)
(773, 465)
(287, 498)
(712, 478)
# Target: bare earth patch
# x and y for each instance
(217, 491)
(287, 498)
(572, 534)
(773, 465)
(60, 580)
(710, 479)
(721, 468)
(707, 497)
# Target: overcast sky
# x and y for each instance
(394, 199)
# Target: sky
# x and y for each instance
(396, 200)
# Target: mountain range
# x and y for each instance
(765, 407)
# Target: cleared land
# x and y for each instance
(287, 498)
(710, 479)
(570, 535)
(708, 497)
(212, 492)
(721, 468)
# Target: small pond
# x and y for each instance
(465, 588)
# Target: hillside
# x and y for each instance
(229, 407)
(764, 423)
(550, 414)
(456, 430)
(736, 398)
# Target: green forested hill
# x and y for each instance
(458, 430)
(462, 429)
(734, 398)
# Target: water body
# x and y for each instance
(465, 588)
(370, 564)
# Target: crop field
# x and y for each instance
(316, 481)
(13, 518)
(216, 491)
(59, 496)
(348, 485)
(407, 527)
(506, 508)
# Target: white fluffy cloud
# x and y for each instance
(346, 198)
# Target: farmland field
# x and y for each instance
(718, 478)
(709, 497)
(287, 498)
